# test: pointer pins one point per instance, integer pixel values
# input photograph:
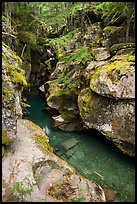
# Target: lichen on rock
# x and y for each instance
(113, 118)
(12, 85)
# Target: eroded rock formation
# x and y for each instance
(100, 93)
(32, 173)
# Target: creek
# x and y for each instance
(93, 157)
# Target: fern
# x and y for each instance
(64, 40)
(81, 56)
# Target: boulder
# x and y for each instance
(115, 79)
(67, 124)
(100, 54)
(69, 144)
(113, 35)
(62, 96)
(115, 119)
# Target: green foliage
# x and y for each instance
(3, 151)
(72, 85)
(106, 7)
(81, 56)
(63, 41)
(28, 37)
(79, 199)
(63, 79)
(24, 187)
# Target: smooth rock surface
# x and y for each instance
(31, 173)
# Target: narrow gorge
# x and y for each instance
(68, 102)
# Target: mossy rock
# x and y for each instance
(5, 139)
(119, 46)
(15, 56)
(12, 63)
(116, 79)
(113, 118)
(112, 29)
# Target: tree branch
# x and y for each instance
(9, 34)
(23, 50)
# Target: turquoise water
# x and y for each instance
(94, 157)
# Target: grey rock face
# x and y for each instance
(114, 118)
(11, 95)
(31, 174)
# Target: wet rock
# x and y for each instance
(67, 125)
(69, 144)
(42, 88)
(63, 98)
(32, 173)
(110, 195)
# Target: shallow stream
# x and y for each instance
(94, 157)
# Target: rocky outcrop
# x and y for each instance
(12, 85)
(32, 173)
(62, 96)
(105, 82)
(108, 104)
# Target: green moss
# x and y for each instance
(113, 71)
(3, 151)
(110, 135)
(17, 75)
(5, 139)
(131, 58)
(112, 29)
(122, 45)
(4, 57)
(16, 57)
(7, 94)
(44, 142)
(18, 78)
(126, 51)
(84, 101)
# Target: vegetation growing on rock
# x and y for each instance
(52, 44)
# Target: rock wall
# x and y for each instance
(98, 92)
(13, 81)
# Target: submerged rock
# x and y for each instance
(69, 144)
(32, 173)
